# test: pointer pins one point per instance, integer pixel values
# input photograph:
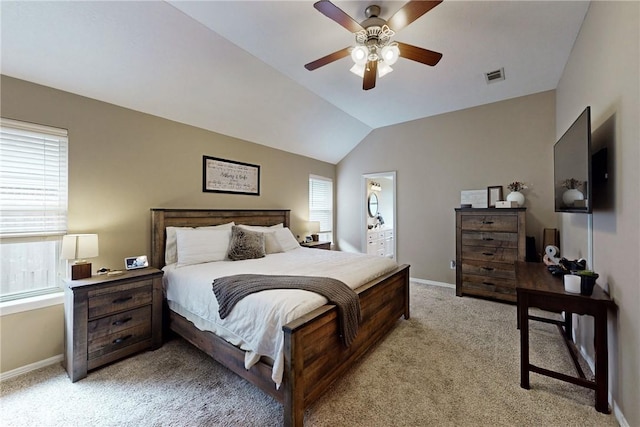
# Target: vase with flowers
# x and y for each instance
(515, 194)
(573, 193)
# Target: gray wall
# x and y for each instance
(603, 72)
(437, 157)
(121, 164)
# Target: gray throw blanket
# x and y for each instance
(231, 289)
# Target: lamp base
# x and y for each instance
(315, 237)
(81, 271)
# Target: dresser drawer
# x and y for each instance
(487, 253)
(103, 303)
(116, 341)
(490, 239)
(118, 322)
(489, 269)
(489, 222)
(482, 285)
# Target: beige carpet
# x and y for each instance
(454, 363)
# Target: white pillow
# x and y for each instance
(170, 252)
(196, 246)
(271, 245)
(286, 239)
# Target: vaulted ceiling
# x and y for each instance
(236, 67)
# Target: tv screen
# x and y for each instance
(572, 167)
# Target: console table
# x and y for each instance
(537, 287)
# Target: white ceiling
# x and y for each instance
(236, 67)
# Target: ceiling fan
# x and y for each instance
(374, 52)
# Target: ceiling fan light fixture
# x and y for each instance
(383, 69)
(359, 55)
(358, 69)
(390, 53)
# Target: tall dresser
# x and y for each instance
(488, 242)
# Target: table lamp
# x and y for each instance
(314, 229)
(78, 247)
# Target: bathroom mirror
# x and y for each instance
(373, 204)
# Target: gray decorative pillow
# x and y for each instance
(245, 244)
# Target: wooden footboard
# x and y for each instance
(314, 353)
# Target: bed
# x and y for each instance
(314, 355)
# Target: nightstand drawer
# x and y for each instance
(102, 303)
(118, 322)
(112, 342)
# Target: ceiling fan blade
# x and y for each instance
(410, 12)
(370, 71)
(419, 54)
(327, 59)
(333, 12)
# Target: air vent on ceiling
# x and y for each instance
(494, 76)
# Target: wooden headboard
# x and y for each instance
(162, 218)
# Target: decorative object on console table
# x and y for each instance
(317, 245)
(108, 318)
(79, 247)
(488, 241)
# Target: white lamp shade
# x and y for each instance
(390, 53)
(79, 246)
(314, 227)
(358, 70)
(360, 54)
(383, 69)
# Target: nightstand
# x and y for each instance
(317, 245)
(111, 317)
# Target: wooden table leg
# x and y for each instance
(602, 360)
(523, 321)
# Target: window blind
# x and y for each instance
(321, 204)
(33, 179)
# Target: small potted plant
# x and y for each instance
(587, 281)
(515, 195)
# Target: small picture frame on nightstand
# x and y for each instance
(135, 262)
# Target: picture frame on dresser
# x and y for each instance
(494, 194)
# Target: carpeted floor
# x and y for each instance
(454, 363)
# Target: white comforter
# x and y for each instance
(255, 323)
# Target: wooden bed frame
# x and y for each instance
(314, 354)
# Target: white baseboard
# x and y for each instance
(433, 283)
(31, 367)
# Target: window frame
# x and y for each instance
(323, 231)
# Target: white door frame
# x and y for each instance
(365, 215)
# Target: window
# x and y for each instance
(321, 205)
(33, 208)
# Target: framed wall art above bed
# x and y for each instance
(228, 176)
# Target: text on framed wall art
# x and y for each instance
(228, 176)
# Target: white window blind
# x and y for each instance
(33, 179)
(33, 207)
(321, 205)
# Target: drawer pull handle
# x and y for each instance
(121, 300)
(122, 322)
(488, 239)
(487, 253)
(488, 268)
(487, 222)
(124, 338)
(488, 283)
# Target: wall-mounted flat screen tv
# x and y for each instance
(572, 167)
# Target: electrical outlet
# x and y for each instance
(452, 264)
